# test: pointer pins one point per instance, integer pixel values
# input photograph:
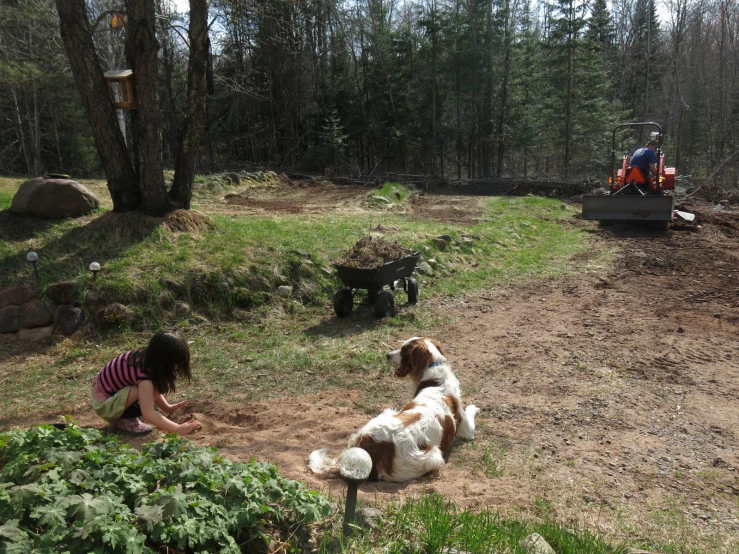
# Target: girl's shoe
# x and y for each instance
(132, 425)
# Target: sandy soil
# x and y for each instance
(609, 398)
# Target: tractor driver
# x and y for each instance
(645, 158)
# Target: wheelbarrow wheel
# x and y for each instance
(343, 302)
(385, 304)
(412, 291)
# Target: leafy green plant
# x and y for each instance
(75, 490)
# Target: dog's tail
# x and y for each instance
(322, 464)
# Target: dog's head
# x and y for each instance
(415, 356)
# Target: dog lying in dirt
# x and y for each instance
(416, 440)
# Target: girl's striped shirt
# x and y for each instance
(122, 371)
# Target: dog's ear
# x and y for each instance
(414, 358)
(438, 346)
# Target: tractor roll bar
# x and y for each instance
(636, 124)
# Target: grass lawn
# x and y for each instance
(254, 343)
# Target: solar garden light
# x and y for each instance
(355, 465)
(33, 258)
(94, 267)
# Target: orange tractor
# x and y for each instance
(634, 195)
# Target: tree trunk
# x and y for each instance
(88, 75)
(187, 155)
(504, 91)
(142, 52)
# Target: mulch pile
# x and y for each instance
(370, 253)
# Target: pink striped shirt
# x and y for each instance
(122, 371)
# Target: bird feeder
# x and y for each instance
(120, 85)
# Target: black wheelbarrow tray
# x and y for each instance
(374, 281)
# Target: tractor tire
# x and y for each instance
(385, 304)
(343, 302)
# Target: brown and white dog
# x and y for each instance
(410, 443)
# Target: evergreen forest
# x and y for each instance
(453, 88)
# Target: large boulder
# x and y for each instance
(17, 295)
(10, 319)
(64, 292)
(51, 197)
(69, 319)
(36, 314)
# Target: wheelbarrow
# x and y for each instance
(374, 281)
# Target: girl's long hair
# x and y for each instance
(166, 359)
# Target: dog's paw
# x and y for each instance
(472, 411)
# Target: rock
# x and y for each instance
(300, 252)
(97, 298)
(172, 285)
(10, 319)
(440, 243)
(69, 319)
(36, 314)
(165, 298)
(370, 517)
(17, 295)
(432, 262)
(64, 292)
(224, 287)
(35, 335)
(284, 291)
(50, 197)
(197, 319)
(328, 271)
(381, 199)
(235, 178)
(466, 241)
(307, 290)
(535, 544)
(397, 194)
(447, 238)
(114, 313)
(181, 309)
(425, 269)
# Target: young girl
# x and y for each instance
(131, 384)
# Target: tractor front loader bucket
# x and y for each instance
(628, 207)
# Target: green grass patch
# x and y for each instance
(395, 192)
(230, 274)
(6, 197)
(241, 262)
(431, 524)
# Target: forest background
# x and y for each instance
(455, 88)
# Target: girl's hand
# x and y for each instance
(188, 427)
(173, 407)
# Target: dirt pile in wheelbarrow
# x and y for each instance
(372, 252)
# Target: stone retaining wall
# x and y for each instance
(31, 318)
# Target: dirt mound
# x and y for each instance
(372, 252)
(125, 225)
(187, 221)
